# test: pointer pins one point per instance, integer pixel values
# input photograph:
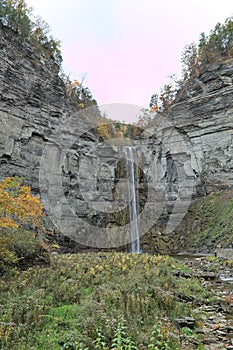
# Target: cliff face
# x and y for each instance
(198, 127)
(185, 154)
(32, 101)
(204, 113)
(34, 110)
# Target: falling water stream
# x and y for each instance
(130, 156)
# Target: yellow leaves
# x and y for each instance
(5, 332)
(99, 267)
(92, 271)
(200, 324)
(106, 131)
(75, 83)
(17, 205)
(54, 247)
(81, 105)
(4, 183)
(217, 326)
(116, 130)
(72, 86)
(7, 223)
(124, 267)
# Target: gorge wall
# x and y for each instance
(32, 102)
(202, 115)
(204, 112)
(184, 155)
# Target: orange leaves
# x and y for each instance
(7, 222)
(18, 206)
(154, 109)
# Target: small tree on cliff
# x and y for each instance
(190, 61)
(154, 103)
(80, 95)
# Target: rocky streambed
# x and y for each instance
(216, 325)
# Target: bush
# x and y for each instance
(22, 249)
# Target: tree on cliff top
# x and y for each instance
(216, 46)
(16, 15)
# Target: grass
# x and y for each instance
(209, 221)
(80, 299)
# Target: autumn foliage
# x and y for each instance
(21, 217)
(117, 130)
(18, 207)
(78, 94)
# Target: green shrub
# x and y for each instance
(21, 249)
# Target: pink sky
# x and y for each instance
(127, 48)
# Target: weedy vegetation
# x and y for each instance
(97, 301)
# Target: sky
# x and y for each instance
(125, 50)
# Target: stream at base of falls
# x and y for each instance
(217, 316)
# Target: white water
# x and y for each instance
(129, 153)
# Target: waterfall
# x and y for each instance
(129, 153)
